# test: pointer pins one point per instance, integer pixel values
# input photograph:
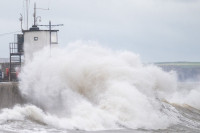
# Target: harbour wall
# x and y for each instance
(10, 95)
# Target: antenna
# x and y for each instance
(34, 15)
(21, 20)
(27, 8)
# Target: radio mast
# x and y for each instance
(34, 15)
(27, 13)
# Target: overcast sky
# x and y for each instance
(157, 30)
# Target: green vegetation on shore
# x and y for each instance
(178, 63)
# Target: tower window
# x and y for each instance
(54, 38)
(35, 38)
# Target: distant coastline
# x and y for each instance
(179, 63)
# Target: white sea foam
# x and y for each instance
(89, 87)
(188, 93)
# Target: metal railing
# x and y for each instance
(13, 48)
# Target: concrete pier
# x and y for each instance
(9, 95)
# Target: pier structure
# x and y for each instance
(26, 44)
(16, 54)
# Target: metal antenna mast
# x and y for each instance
(27, 8)
(34, 15)
(21, 20)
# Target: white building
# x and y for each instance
(36, 39)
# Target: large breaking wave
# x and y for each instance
(89, 87)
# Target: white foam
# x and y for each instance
(89, 87)
(188, 93)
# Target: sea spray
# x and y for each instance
(188, 94)
(90, 87)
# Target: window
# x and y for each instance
(35, 38)
(54, 38)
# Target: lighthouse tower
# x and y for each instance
(28, 43)
(36, 39)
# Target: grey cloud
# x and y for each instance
(147, 27)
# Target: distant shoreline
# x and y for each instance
(178, 63)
